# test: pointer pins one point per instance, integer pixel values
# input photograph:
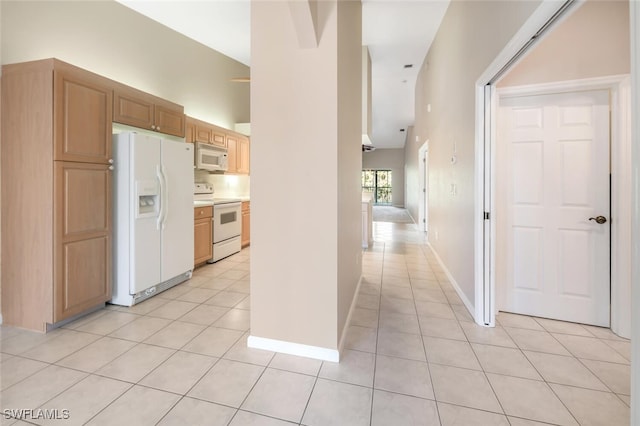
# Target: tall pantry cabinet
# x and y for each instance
(56, 192)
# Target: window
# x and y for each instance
(379, 183)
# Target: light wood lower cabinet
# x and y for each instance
(82, 217)
(203, 234)
(246, 224)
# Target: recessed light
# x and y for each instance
(402, 130)
(408, 66)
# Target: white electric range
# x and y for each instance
(227, 220)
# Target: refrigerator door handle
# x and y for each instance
(165, 196)
(160, 220)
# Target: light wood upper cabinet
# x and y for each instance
(82, 116)
(139, 109)
(243, 156)
(132, 108)
(203, 134)
(232, 157)
(238, 145)
(82, 242)
(219, 137)
(206, 133)
(189, 130)
(238, 154)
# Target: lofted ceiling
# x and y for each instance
(397, 32)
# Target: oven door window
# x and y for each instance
(228, 217)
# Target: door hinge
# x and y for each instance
(424, 190)
(487, 216)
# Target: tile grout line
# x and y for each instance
(375, 355)
(424, 349)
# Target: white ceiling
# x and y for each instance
(397, 32)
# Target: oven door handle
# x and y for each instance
(226, 206)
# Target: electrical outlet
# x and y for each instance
(436, 235)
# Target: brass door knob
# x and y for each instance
(599, 219)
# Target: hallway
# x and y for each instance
(427, 348)
(412, 357)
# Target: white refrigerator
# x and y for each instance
(153, 215)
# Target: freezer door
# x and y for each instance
(145, 241)
(177, 209)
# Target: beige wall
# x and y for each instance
(112, 40)
(305, 180)
(471, 35)
(349, 157)
(591, 42)
(389, 159)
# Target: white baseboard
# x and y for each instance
(273, 345)
(347, 323)
(315, 352)
(455, 285)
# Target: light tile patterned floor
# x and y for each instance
(412, 357)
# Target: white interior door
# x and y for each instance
(553, 176)
(425, 192)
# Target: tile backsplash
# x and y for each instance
(225, 185)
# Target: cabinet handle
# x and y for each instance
(158, 128)
(110, 160)
(153, 126)
(111, 167)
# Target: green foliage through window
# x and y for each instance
(379, 183)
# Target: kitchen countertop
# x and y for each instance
(205, 203)
(202, 203)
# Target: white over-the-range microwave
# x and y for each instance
(209, 157)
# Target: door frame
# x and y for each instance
(423, 168)
(545, 16)
(619, 87)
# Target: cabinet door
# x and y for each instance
(82, 116)
(133, 108)
(242, 153)
(218, 137)
(203, 133)
(246, 224)
(189, 130)
(82, 243)
(232, 157)
(203, 240)
(169, 121)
